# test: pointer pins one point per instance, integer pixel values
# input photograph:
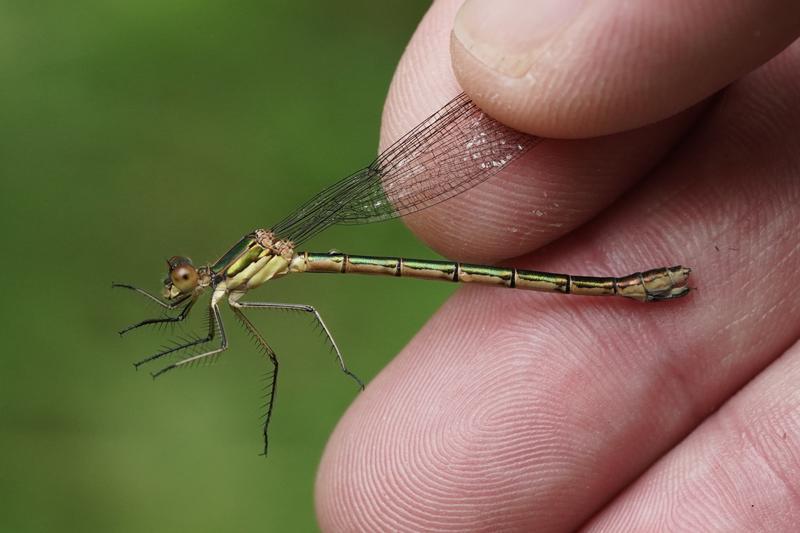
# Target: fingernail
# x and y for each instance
(508, 35)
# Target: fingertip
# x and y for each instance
(585, 69)
(507, 36)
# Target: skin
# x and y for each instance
(530, 412)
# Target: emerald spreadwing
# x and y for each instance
(448, 153)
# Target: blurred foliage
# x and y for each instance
(136, 130)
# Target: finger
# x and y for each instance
(555, 188)
(512, 410)
(739, 471)
(575, 68)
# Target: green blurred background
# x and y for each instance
(136, 130)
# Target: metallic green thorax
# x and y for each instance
(226, 261)
(244, 260)
(254, 260)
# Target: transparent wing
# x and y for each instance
(448, 153)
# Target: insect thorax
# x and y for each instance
(260, 258)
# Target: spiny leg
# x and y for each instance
(216, 322)
(268, 351)
(185, 345)
(313, 311)
(163, 320)
(166, 305)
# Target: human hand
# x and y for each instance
(519, 411)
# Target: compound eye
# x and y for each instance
(184, 277)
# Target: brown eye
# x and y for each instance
(184, 277)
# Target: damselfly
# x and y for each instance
(448, 153)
